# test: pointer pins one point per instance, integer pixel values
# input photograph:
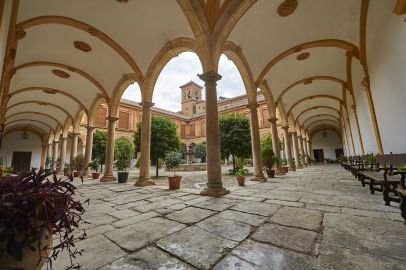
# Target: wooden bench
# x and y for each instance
(348, 163)
(384, 178)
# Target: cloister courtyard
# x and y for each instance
(305, 98)
(316, 218)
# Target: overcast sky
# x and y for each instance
(181, 70)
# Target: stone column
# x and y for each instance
(214, 184)
(288, 149)
(108, 168)
(256, 144)
(63, 141)
(302, 151)
(43, 156)
(311, 149)
(296, 146)
(89, 146)
(145, 156)
(275, 145)
(74, 147)
(54, 155)
(49, 151)
(308, 151)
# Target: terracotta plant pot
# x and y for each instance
(65, 173)
(95, 175)
(285, 169)
(76, 174)
(30, 259)
(241, 180)
(270, 173)
(55, 172)
(174, 181)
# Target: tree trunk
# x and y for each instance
(233, 164)
(156, 164)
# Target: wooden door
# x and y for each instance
(21, 161)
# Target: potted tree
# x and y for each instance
(35, 210)
(79, 164)
(172, 161)
(268, 156)
(48, 161)
(67, 169)
(57, 166)
(94, 165)
(240, 175)
(123, 154)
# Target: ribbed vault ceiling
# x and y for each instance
(72, 53)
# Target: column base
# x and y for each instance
(258, 178)
(144, 182)
(214, 192)
(108, 178)
(292, 168)
(299, 166)
(279, 171)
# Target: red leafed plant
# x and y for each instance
(34, 203)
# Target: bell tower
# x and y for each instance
(191, 94)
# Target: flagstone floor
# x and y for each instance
(316, 218)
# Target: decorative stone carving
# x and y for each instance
(20, 33)
(82, 46)
(303, 56)
(287, 7)
(60, 73)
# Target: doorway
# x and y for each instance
(21, 161)
(339, 152)
(318, 155)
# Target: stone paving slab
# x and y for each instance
(257, 208)
(225, 228)
(333, 257)
(190, 215)
(286, 237)
(135, 219)
(298, 217)
(99, 251)
(197, 247)
(143, 233)
(231, 262)
(148, 258)
(250, 219)
(261, 255)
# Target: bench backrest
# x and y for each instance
(391, 159)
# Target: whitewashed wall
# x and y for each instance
(386, 52)
(328, 144)
(13, 142)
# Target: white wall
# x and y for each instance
(13, 142)
(386, 44)
(328, 144)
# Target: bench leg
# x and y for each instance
(402, 206)
(371, 186)
(363, 181)
(386, 189)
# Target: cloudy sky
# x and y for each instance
(181, 70)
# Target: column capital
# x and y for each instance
(112, 118)
(285, 128)
(365, 82)
(252, 106)
(209, 77)
(63, 138)
(89, 127)
(273, 119)
(75, 133)
(146, 104)
(56, 141)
